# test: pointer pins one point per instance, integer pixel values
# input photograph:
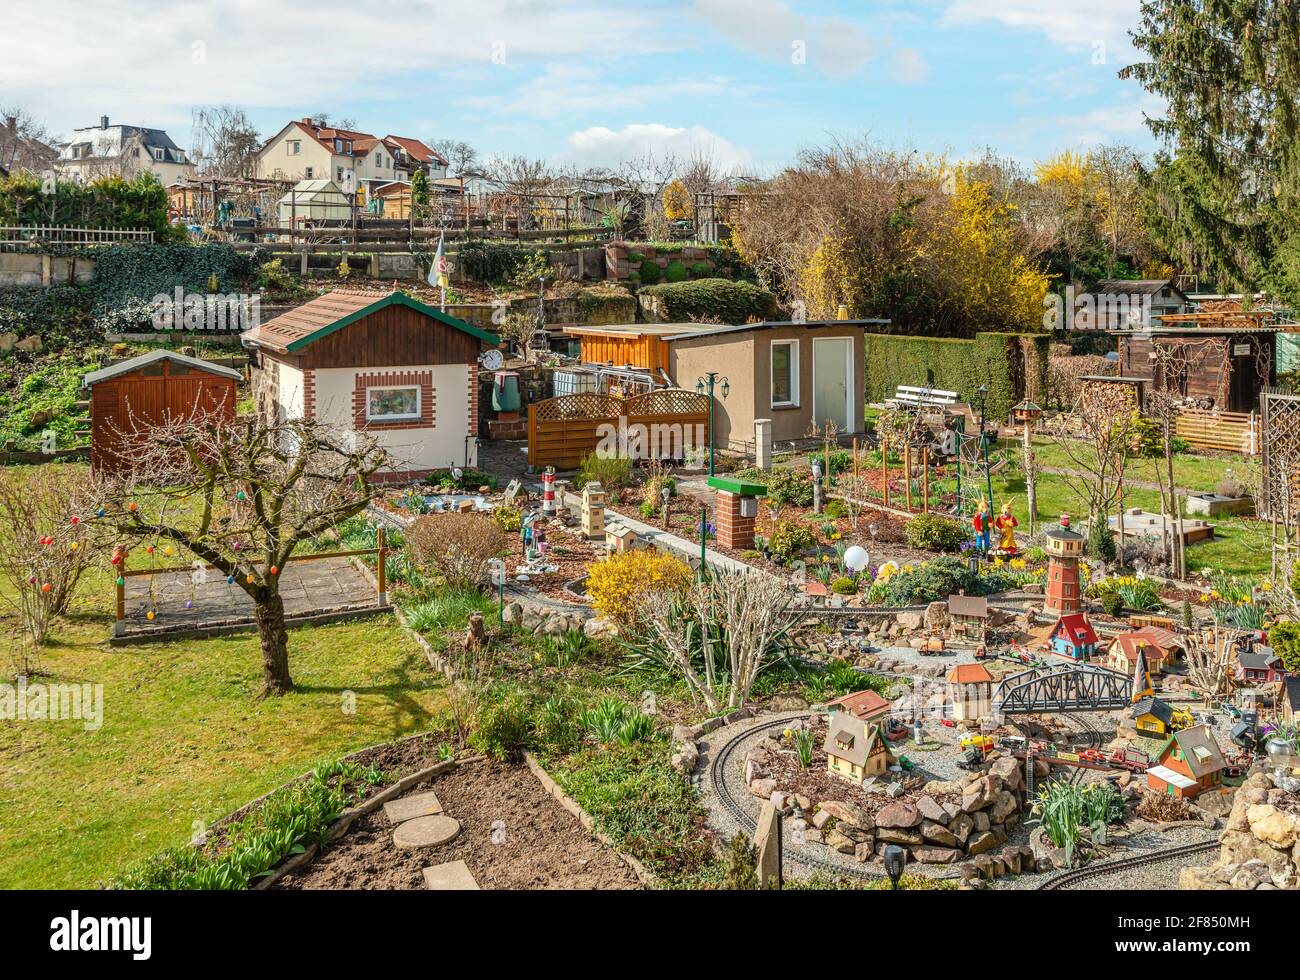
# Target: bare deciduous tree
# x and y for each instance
(25, 144)
(242, 497)
(461, 156)
(224, 142)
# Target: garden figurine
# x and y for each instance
(1006, 524)
(983, 525)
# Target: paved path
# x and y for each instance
(178, 602)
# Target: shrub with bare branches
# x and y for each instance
(459, 547)
(44, 548)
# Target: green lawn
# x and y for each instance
(1191, 472)
(185, 738)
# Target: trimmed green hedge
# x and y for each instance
(110, 202)
(993, 359)
(711, 299)
(124, 273)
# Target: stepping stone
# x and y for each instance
(410, 807)
(425, 832)
(453, 876)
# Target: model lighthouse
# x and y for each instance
(1064, 549)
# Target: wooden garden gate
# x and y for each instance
(561, 431)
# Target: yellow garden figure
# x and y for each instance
(1006, 525)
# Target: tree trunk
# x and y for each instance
(269, 614)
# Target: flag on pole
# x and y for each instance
(438, 271)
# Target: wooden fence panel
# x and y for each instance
(561, 431)
(1236, 432)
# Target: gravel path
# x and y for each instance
(1160, 876)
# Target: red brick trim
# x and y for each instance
(473, 400)
(309, 393)
(393, 379)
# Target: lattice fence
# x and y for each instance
(561, 431)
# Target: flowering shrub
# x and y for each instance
(616, 584)
(1235, 600)
(1136, 592)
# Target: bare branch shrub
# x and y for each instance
(459, 547)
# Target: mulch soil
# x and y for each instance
(542, 846)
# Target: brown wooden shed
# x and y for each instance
(1224, 366)
(147, 390)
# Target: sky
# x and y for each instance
(597, 81)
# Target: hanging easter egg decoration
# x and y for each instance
(100, 512)
(74, 546)
(149, 615)
(230, 579)
(131, 506)
(189, 603)
(274, 570)
(120, 580)
(45, 587)
(241, 495)
(76, 520)
(149, 550)
(167, 551)
(250, 580)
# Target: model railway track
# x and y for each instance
(1070, 879)
(748, 824)
(1092, 735)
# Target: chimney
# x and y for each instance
(103, 122)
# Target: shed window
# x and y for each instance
(392, 404)
(785, 373)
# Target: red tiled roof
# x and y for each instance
(862, 704)
(970, 674)
(417, 149)
(281, 331)
(1076, 627)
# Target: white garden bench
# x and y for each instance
(910, 396)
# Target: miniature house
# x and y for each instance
(970, 687)
(1073, 638)
(382, 364)
(149, 390)
(855, 749)
(1260, 665)
(593, 511)
(1124, 650)
(863, 705)
(1064, 548)
(619, 537)
(969, 616)
(1152, 717)
(1189, 764)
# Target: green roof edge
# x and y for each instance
(400, 299)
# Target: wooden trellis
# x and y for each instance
(1280, 486)
(561, 431)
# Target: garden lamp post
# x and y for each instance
(984, 447)
(895, 858)
(702, 385)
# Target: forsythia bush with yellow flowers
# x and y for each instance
(616, 583)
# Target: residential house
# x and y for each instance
(855, 749)
(864, 705)
(969, 615)
(1073, 638)
(799, 375)
(303, 150)
(970, 688)
(380, 363)
(20, 152)
(1189, 763)
(1152, 717)
(1259, 665)
(107, 151)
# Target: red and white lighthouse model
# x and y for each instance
(1064, 549)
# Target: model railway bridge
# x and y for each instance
(1063, 687)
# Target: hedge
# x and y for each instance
(110, 202)
(994, 359)
(711, 299)
(126, 273)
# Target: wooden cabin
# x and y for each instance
(1197, 356)
(380, 363)
(149, 390)
(1152, 717)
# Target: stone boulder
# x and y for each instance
(1272, 826)
(839, 842)
(938, 834)
(936, 855)
(902, 816)
(936, 616)
(847, 813)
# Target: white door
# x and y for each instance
(832, 382)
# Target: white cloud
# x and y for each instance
(1122, 122)
(599, 146)
(140, 63)
(565, 88)
(1071, 23)
(774, 31)
(908, 65)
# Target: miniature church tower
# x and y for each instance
(1064, 550)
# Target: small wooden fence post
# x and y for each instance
(925, 479)
(907, 474)
(381, 555)
(884, 467)
(119, 627)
